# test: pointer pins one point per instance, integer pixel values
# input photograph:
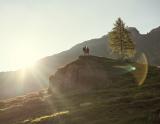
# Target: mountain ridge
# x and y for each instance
(38, 77)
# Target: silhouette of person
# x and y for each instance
(86, 50)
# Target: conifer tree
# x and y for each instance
(120, 41)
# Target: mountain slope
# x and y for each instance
(148, 43)
(38, 77)
(118, 100)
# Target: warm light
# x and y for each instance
(23, 57)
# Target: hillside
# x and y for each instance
(38, 77)
(115, 98)
(90, 72)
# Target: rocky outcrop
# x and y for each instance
(88, 72)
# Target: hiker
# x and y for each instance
(86, 50)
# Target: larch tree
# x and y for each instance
(120, 41)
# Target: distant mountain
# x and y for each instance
(147, 43)
(21, 82)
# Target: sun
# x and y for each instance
(23, 58)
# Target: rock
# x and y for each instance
(88, 72)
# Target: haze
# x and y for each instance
(32, 29)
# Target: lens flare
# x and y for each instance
(141, 69)
(127, 68)
(138, 68)
(133, 68)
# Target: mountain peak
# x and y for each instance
(133, 30)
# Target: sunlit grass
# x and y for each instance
(45, 118)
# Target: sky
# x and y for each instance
(33, 29)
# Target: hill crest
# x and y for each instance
(89, 72)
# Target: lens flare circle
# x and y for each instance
(140, 68)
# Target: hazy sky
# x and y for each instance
(32, 29)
